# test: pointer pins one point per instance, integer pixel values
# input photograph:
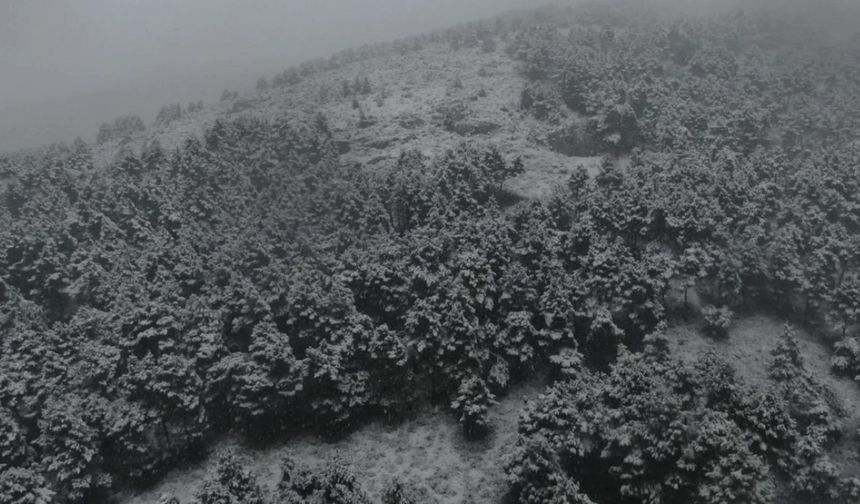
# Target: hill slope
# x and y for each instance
(405, 108)
(411, 232)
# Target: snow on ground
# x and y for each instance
(748, 346)
(409, 91)
(428, 450)
(405, 87)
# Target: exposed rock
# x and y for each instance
(410, 121)
(474, 127)
(572, 140)
(343, 146)
(383, 143)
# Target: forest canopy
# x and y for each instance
(251, 281)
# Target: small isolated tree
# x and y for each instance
(262, 84)
(846, 302)
(541, 99)
(787, 356)
(399, 493)
(232, 484)
(846, 357)
(488, 44)
(335, 484)
(362, 86)
(717, 320)
(472, 403)
(452, 113)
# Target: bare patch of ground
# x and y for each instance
(428, 451)
(402, 113)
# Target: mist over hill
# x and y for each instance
(67, 67)
(584, 253)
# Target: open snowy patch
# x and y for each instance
(429, 451)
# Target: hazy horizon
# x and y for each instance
(69, 66)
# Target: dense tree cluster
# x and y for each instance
(657, 430)
(744, 158)
(248, 281)
(742, 171)
(334, 483)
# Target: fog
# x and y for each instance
(66, 66)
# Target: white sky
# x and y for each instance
(67, 65)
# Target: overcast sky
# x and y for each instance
(67, 65)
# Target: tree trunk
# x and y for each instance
(166, 433)
(686, 288)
